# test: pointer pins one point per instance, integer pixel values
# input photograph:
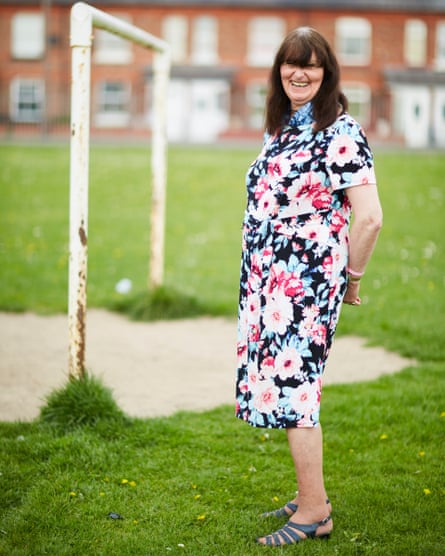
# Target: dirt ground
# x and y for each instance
(154, 369)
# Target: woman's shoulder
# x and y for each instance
(345, 123)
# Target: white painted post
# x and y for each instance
(161, 70)
(83, 18)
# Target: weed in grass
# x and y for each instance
(83, 401)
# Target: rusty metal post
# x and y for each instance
(81, 40)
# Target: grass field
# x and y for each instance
(195, 483)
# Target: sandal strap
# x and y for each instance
(281, 512)
(308, 529)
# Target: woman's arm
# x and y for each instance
(365, 228)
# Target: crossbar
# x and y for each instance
(83, 18)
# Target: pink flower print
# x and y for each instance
(310, 315)
(255, 273)
(266, 396)
(243, 386)
(288, 363)
(276, 278)
(318, 334)
(252, 376)
(315, 230)
(267, 206)
(278, 313)
(267, 366)
(253, 306)
(278, 167)
(337, 221)
(293, 286)
(342, 150)
(364, 176)
(327, 266)
(241, 352)
(254, 333)
(261, 188)
(311, 312)
(302, 156)
(305, 398)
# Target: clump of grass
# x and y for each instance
(161, 304)
(84, 401)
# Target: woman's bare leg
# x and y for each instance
(306, 447)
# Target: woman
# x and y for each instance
(301, 259)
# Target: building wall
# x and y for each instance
(388, 52)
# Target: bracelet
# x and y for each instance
(353, 279)
(354, 273)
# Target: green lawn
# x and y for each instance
(197, 482)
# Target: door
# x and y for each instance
(198, 109)
(416, 111)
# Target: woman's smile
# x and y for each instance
(301, 83)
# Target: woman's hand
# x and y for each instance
(351, 296)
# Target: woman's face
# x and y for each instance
(301, 84)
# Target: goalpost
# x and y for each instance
(83, 18)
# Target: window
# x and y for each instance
(27, 100)
(113, 100)
(440, 46)
(174, 31)
(359, 97)
(256, 99)
(415, 42)
(110, 48)
(264, 37)
(205, 40)
(353, 40)
(28, 36)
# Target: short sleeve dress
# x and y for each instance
(293, 267)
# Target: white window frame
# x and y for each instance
(27, 36)
(440, 46)
(359, 95)
(108, 113)
(353, 37)
(34, 114)
(109, 48)
(415, 42)
(256, 93)
(204, 40)
(175, 33)
(264, 37)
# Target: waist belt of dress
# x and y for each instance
(253, 222)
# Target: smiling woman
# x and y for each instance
(315, 168)
(301, 83)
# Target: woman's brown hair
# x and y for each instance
(297, 49)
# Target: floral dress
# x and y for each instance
(293, 266)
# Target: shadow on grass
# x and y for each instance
(164, 304)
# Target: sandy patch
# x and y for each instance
(154, 369)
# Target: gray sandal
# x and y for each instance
(288, 534)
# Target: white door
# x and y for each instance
(198, 109)
(178, 110)
(209, 115)
(439, 116)
(416, 115)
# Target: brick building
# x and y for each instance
(392, 54)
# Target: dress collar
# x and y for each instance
(303, 116)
